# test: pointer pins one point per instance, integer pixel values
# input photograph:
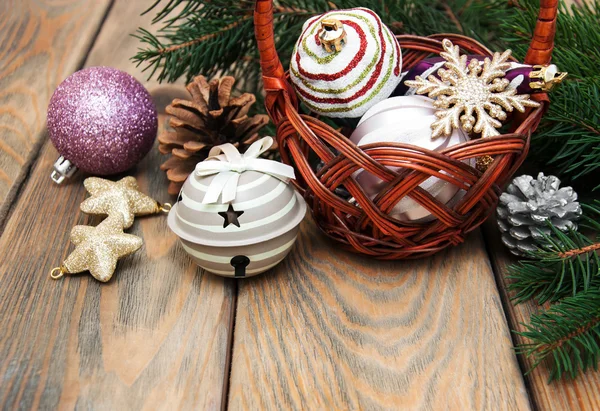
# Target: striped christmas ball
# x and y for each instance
(345, 83)
(245, 237)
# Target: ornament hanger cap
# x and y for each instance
(63, 169)
(548, 76)
(332, 35)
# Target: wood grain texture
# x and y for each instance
(331, 330)
(582, 393)
(41, 42)
(156, 337)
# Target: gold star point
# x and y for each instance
(99, 248)
(121, 197)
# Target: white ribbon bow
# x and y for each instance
(227, 162)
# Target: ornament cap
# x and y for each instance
(63, 169)
(332, 35)
(548, 76)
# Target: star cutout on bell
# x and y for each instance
(230, 216)
(121, 197)
(97, 249)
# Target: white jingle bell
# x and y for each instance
(237, 216)
(407, 119)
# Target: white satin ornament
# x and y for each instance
(407, 119)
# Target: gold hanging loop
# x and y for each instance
(164, 208)
(58, 272)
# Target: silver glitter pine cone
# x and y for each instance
(527, 205)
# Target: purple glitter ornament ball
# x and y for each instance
(101, 120)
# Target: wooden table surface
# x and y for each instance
(323, 330)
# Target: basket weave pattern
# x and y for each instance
(364, 226)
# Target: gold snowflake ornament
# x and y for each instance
(471, 95)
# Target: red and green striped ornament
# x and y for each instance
(348, 82)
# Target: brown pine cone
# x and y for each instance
(211, 118)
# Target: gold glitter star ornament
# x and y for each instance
(98, 249)
(473, 96)
(121, 197)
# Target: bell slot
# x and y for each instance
(239, 263)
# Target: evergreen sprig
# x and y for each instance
(197, 37)
(574, 123)
(565, 265)
(567, 334)
(566, 273)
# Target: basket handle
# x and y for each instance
(539, 52)
(263, 30)
(542, 43)
(273, 73)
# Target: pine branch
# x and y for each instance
(567, 334)
(576, 39)
(568, 264)
(565, 272)
(209, 38)
(579, 251)
(215, 36)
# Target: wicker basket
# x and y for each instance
(364, 226)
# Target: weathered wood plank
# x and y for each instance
(157, 336)
(40, 44)
(582, 393)
(328, 329)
